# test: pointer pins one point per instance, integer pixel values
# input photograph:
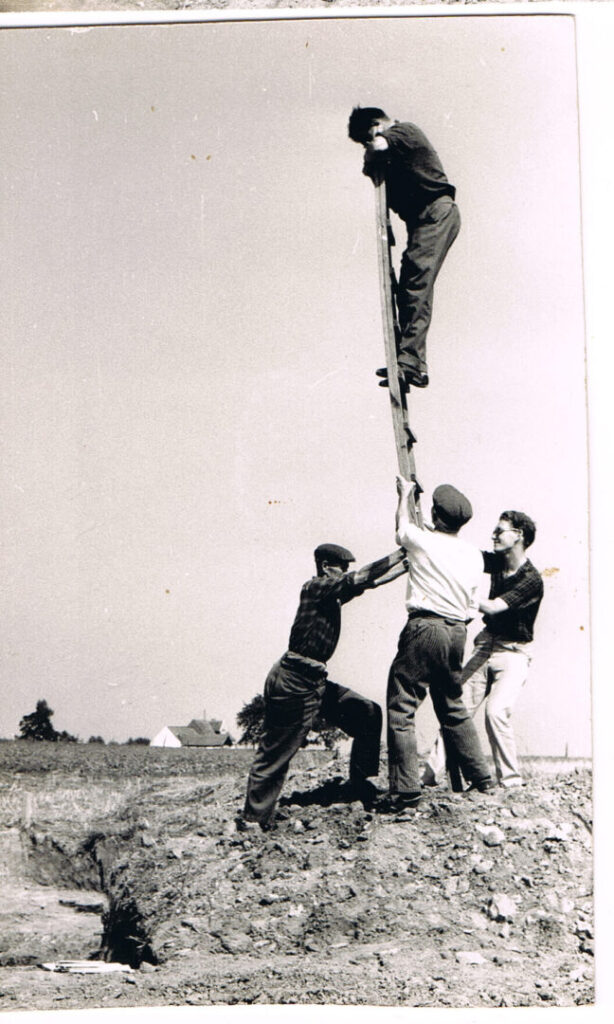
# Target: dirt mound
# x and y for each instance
(468, 901)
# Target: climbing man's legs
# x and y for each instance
(428, 242)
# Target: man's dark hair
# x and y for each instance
(361, 120)
(521, 522)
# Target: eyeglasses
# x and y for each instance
(506, 529)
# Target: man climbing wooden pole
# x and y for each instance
(420, 193)
(408, 178)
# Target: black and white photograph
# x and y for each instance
(297, 650)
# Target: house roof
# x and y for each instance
(198, 734)
(203, 727)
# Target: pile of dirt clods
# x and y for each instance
(470, 900)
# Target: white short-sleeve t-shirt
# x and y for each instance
(444, 573)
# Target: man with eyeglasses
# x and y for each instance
(499, 665)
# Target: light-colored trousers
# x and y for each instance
(496, 672)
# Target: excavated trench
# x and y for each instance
(484, 901)
(55, 903)
(125, 938)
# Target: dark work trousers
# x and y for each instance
(428, 241)
(429, 655)
(295, 693)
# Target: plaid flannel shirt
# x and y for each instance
(317, 625)
(522, 593)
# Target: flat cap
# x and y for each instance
(453, 507)
(333, 553)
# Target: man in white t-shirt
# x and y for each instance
(443, 578)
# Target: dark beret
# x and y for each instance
(333, 553)
(453, 507)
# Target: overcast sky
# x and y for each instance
(191, 326)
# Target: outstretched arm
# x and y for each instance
(405, 489)
(398, 570)
(348, 585)
(372, 575)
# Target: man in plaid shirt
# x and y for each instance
(499, 665)
(297, 689)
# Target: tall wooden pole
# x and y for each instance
(404, 438)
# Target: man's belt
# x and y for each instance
(425, 613)
(309, 666)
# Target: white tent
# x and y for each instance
(165, 738)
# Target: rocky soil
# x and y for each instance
(471, 901)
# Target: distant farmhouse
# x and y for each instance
(201, 732)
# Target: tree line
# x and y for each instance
(250, 719)
(38, 726)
